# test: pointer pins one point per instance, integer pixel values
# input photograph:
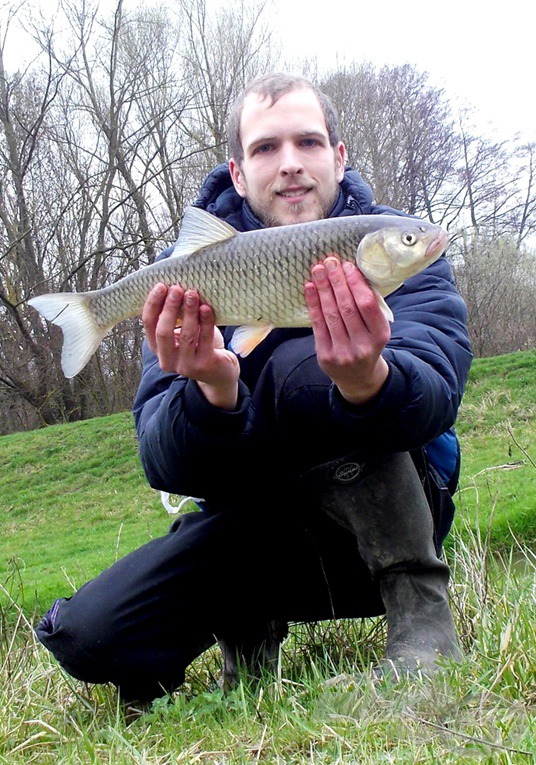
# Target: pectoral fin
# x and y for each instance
(383, 305)
(246, 339)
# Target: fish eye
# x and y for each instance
(409, 238)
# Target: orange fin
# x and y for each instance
(246, 339)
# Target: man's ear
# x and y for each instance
(340, 159)
(237, 177)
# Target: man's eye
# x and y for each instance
(263, 148)
(308, 142)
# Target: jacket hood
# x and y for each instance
(219, 197)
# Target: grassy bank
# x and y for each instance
(497, 429)
(74, 499)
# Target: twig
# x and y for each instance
(20, 613)
(516, 442)
(444, 729)
(260, 745)
(466, 736)
(340, 738)
(507, 466)
(118, 541)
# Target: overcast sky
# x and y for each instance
(482, 55)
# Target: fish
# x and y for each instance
(254, 280)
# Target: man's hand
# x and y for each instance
(350, 329)
(195, 349)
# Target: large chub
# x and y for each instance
(253, 280)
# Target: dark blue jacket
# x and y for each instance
(289, 415)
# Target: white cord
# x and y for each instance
(175, 509)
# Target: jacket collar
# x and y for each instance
(219, 197)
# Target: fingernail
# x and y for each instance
(331, 264)
(348, 267)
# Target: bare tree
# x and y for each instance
(26, 100)
(498, 283)
(99, 160)
(486, 180)
(222, 53)
(399, 133)
(75, 211)
(524, 216)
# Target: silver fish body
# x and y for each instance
(254, 279)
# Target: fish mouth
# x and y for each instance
(437, 246)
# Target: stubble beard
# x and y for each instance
(320, 209)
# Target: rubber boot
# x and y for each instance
(255, 649)
(383, 502)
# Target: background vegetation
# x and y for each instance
(107, 134)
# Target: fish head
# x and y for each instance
(398, 250)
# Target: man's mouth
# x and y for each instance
(293, 193)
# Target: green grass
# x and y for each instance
(497, 429)
(317, 708)
(74, 498)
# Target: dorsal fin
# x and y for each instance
(199, 229)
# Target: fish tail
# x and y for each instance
(81, 333)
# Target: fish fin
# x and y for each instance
(199, 229)
(246, 339)
(81, 334)
(383, 305)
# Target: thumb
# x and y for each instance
(218, 339)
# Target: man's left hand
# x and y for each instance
(350, 329)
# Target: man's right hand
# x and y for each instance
(350, 329)
(195, 349)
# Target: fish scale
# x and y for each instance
(254, 280)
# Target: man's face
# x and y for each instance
(290, 173)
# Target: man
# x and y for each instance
(324, 459)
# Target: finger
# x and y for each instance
(151, 312)
(190, 324)
(365, 299)
(218, 339)
(334, 296)
(347, 306)
(316, 314)
(207, 329)
(165, 336)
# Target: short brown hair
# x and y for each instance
(274, 86)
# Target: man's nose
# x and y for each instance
(291, 162)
